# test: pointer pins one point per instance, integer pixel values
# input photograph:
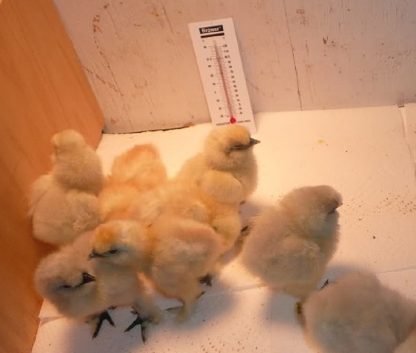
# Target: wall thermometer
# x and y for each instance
(216, 49)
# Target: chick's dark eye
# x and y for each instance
(113, 251)
(238, 147)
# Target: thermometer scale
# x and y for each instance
(216, 49)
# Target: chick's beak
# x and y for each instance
(87, 278)
(334, 204)
(253, 141)
(334, 207)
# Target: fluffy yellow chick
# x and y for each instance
(114, 267)
(289, 245)
(75, 164)
(173, 253)
(173, 198)
(141, 165)
(63, 203)
(222, 176)
(225, 220)
(358, 314)
(137, 170)
(58, 214)
(176, 199)
(184, 251)
(226, 169)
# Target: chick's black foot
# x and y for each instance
(299, 314)
(142, 322)
(207, 279)
(245, 230)
(104, 316)
(299, 308)
(325, 284)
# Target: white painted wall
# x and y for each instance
(297, 54)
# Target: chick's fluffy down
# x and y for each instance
(63, 203)
(173, 198)
(75, 164)
(290, 244)
(59, 215)
(59, 279)
(116, 270)
(137, 170)
(226, 169)
(140, 165)
(184, 250)
(173, 253)
(222, 176)
(358, 314)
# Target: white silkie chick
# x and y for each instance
(226, 169)
(173, 253)
(83, 289)
(290, 244)
(75, 164)
(358, 314)
(135, 171)
(59, 214)
(66, 279)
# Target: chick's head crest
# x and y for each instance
(67, 141)
(59, 277)
(314, 209)
(228, 146)
(117, 242)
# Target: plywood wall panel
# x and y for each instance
(42, 90)
(139, 58)
(354, 53)
(297, 54)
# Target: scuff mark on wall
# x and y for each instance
(113, 23)
(102, 80)
(156, 14)
(167, 18)
(293, 56)
(98, 30)
(303, 19)
(95, 24)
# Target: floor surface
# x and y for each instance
(367, 154)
